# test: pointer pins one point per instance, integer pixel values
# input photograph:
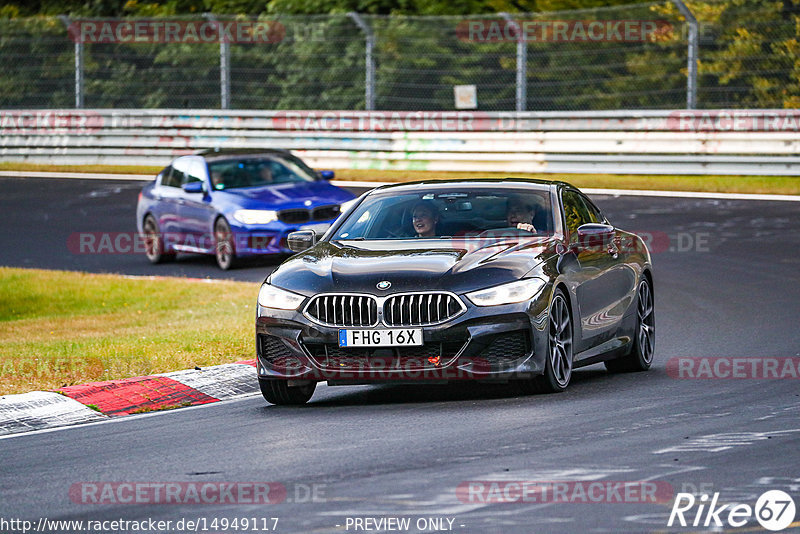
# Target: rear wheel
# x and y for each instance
(225, 250)
(279, 392)
(641, 356)
(558, 363)
(154, 242)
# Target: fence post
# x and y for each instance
(369, 96)
(224, 67)
(78, 64)
(522, 64)
(691, 79)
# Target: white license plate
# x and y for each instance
(395, 337)
(318, 228)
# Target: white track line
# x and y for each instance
(347, 183)
(690, 194)
(80, 175)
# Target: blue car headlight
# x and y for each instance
(510, 293)
(255, 216)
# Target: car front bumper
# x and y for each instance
(492, 343)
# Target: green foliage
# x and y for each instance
(749, 52)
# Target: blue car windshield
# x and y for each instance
(257, 172)
(441, 214)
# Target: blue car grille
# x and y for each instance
(302, 215)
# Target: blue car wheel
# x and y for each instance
(224, 247)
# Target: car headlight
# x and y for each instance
(507, 293)
(255, 216)
(273, 297)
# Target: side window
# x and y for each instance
(594, 212)
(179, 170)
(195, 173)
(281, 173)
(165, 175)
(575, 212)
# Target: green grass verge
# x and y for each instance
(61, 328)
(776, 185)
(146, 171)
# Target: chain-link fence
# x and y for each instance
(628, 57)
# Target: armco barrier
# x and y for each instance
(763, 142)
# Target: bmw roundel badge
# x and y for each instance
(385, 284)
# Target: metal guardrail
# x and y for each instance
(762, 142)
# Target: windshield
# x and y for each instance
(447, 214)
(257, 172)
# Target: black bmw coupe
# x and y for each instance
(517, 281)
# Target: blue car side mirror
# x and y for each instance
(327, 175)
(193, 187)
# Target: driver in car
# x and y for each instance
(424, 218)
(520, 214)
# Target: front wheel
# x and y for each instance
(277, 391)
(641, 356)
(558, 362)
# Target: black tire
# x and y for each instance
(154, 242)
(277, 391)
(640, 357)
(224, 246)
(559, 359)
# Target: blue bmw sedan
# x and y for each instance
(234, 204)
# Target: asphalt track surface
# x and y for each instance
(395, 451)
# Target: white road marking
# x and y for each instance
(723, 442)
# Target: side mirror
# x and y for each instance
(327, 175)
(592, 235)
(301, 240)
(193, 187)
(598, 230)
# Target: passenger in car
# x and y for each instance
(216, 180)
(265, 174)
(424, 218)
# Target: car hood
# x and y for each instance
(289, 195)
(411, 265)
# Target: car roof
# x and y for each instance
(228, 153)
(503, 183)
